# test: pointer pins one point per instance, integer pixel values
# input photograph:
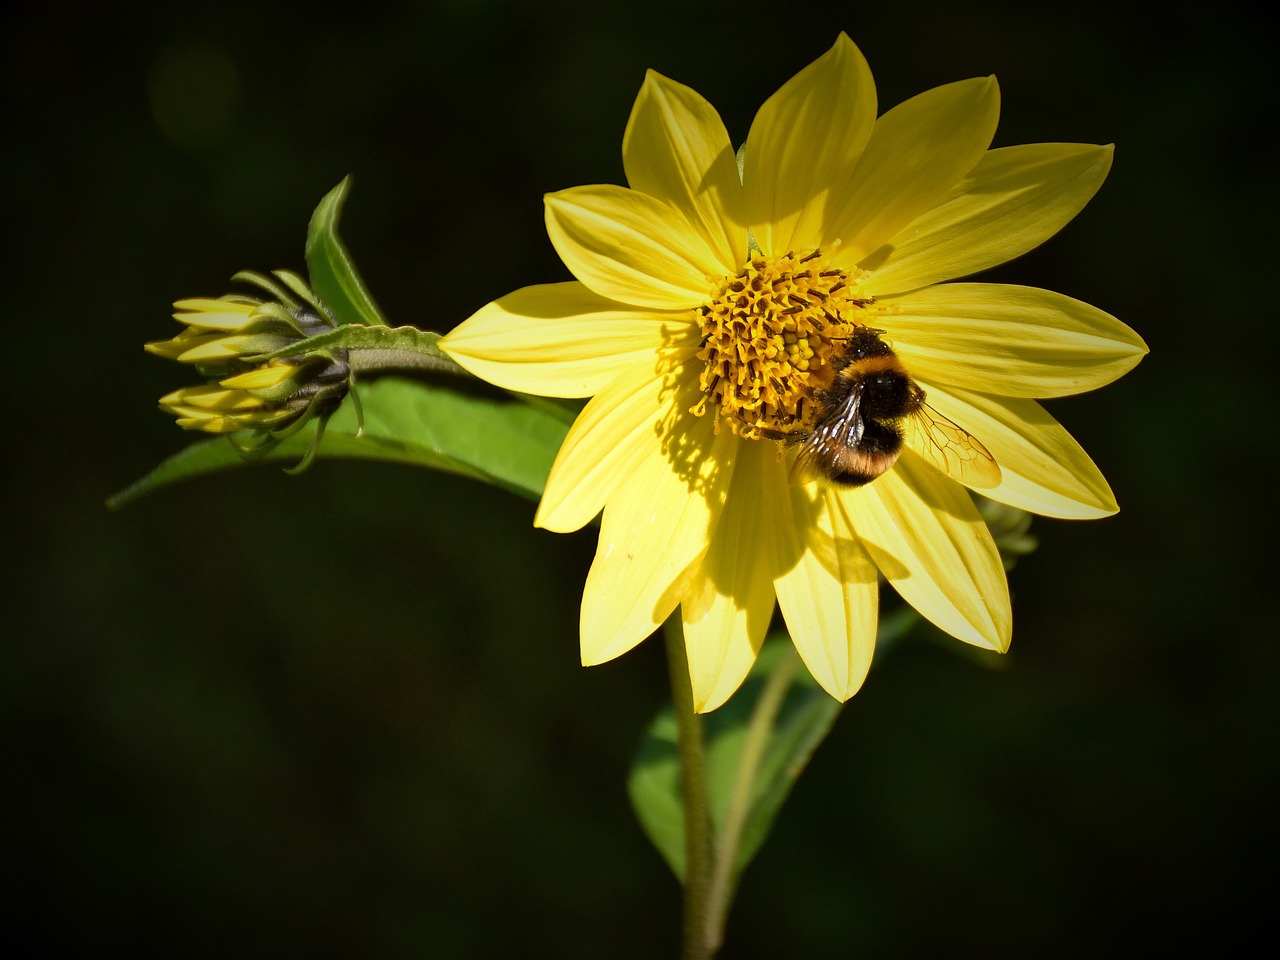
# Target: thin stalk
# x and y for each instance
(754, 743)
(693, 788)
(366, 359)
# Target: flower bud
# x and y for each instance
(258, 379)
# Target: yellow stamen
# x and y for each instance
(769, 338)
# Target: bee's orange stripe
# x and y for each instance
(870, 365)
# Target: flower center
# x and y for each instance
(770, 337)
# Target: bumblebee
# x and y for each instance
(863, 420)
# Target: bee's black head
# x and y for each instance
(864, 344)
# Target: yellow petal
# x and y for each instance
(677, 149)
(214, 314)
(209, 398)
(612, 434)
(261, 378)
(217, 347)
(803, 145)
(630, 247)
(561, 340)
(184, 341)
(1012, 201)
(929, 541)
(209, 304)
(198, 414)
(730, 602)
(1010, 340)
(190, 413)
(217, 425)
(187, 340)
(655, 529)
(830, 596)
(1042, 468)
(169, 349)
(916, 154)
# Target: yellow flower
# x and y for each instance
(711, 321)
(231, 341)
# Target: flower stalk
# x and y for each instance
(759, 728)
(696, 942)
(710, 861)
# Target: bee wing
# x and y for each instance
(819, 454)
(952, 449)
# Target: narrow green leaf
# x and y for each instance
(804, 720)
(333, 274)
(504, 442)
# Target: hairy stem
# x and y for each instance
(693, 786)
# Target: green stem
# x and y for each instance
(364, 359)
(693, 786)
(756, 740)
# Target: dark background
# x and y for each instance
(342, 714)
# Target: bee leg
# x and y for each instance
(787, 438)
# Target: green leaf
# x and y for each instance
(504, 442)
(654, 788)
(333, 274)
(805, 717)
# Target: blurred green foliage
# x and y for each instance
(342, 713)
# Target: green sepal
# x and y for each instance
(316, 436)
(800, 725)
(333, 274)
(289, 289)
(506, 442)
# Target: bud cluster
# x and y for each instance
(251, 351)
